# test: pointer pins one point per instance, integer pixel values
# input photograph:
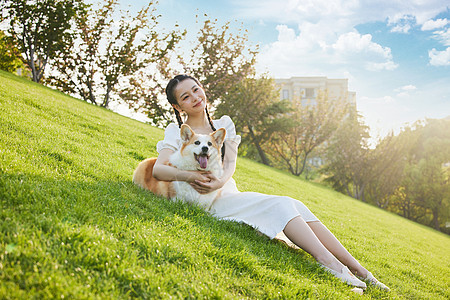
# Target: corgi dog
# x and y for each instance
(199, 152)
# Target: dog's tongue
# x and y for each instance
(203, 161)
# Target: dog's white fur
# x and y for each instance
(185, 159)
(188, 157)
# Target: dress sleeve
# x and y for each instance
(227, 123)
(171, 138)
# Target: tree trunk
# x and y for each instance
(261, 152)
(303, 163)
(91, 92)
(42, 66)
(361, 193)
(31, 63)
(106, 101)
(436, 220)
(349, 193)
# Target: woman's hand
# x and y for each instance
(193, 176)
(209, 185)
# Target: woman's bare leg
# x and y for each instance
(335, 247)
(298, 231)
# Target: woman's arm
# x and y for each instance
(229, 162)
(162, 171)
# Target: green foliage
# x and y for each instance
(258, 114)
(73, 225)
(106, 50)
(146, 87)
(311, 124)
(10, 59)
(406, 174)
(41, 29)
(384, 170)
(220, 59)
(346, 155)
(423, 194)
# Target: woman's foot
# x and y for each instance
(373, 281)
(346, 276)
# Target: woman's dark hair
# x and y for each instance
(170, 93)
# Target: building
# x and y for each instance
(307, 89)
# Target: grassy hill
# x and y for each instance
(74, 226)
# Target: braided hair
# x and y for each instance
(170, 93)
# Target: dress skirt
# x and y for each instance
(268, 214)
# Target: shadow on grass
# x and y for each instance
(78, 231)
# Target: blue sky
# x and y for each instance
(395, 53)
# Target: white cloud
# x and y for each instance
(381, 100)
(439, 58)
(291, 11)
(354, 42)
(403, 95)
(354, 47)
(408, 87)
(401, 28)
(405, 91)
(443, 36)
(435, 24)
(354, 11)
(285, 34)
(388, 65)
(401, 23)
(326, 38)
(316, 51)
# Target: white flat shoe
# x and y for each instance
(346, 276)
(373, 281)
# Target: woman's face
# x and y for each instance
(190, 96)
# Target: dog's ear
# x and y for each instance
(186, 133)
(219, 136)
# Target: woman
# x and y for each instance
(268, 214)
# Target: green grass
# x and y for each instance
(74, 226)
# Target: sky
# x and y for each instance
(395, 53)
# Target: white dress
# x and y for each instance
(268, 214)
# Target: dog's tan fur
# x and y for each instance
(143, 176)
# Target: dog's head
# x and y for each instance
(203, 148)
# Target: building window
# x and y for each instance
(285, 94)
(309, 93)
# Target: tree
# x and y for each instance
(220, 59)
(258, 114)
(41, 29)
(145, 90)
(75, 71)
(346, 156)
(10, 59)
(384, 171)
(431, 186)
(403, 205)
(311, 125)
(370, 175)
(424, 190)
(107, 52)
(435, 186)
